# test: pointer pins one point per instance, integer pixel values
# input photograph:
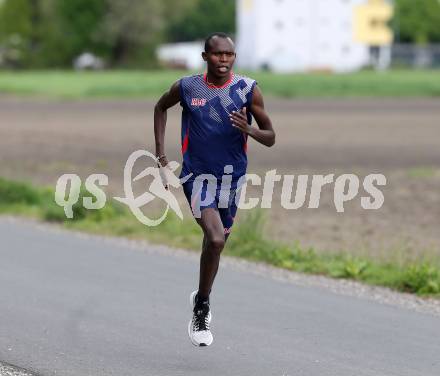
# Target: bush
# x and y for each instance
(55, 213)
(421, 279)
(350, 267)
(17, 193)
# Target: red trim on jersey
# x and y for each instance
(185, 144)
(245, 143)
(212, 86)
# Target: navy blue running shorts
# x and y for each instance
(201, 196)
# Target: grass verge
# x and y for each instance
(151, 84)
(247, 241)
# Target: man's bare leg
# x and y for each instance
(213, 244)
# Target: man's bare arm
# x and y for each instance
(264, 134)
(169, 99)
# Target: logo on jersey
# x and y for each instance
(198, 102)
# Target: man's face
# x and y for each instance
(221, 56)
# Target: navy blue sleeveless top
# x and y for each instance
(209, 141)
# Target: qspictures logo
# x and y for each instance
(207, 188)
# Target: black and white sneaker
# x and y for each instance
(198, 327)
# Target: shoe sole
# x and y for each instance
(192, 340)
(192, 302)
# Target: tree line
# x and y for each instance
(51, 33)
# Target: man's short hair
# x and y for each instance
(218, 34)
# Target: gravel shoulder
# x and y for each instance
(10, 370)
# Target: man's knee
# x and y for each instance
(216, 242)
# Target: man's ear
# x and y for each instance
(204, 56)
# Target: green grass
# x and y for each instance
(248, 241)
(422, 172)
(151, 84)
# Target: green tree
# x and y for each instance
(15, 17)
(51, 33)
(417, 21)
(131, 29)
(15, 31)
(47, 33)
(204, 17)
(76, 24)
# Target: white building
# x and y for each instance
(306, 35)
(186, 55)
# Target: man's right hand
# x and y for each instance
(166, 172)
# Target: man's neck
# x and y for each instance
(217, 81)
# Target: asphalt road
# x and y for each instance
(72, 305)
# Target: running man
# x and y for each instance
(218, 107)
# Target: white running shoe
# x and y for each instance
(198, 327)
